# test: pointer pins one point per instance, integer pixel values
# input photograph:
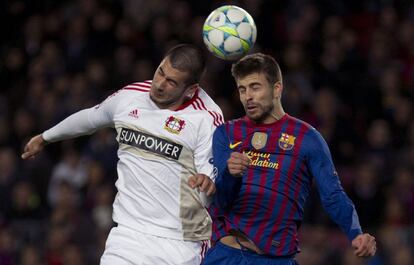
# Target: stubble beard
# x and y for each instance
(265, 113)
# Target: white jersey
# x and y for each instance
(159, 150)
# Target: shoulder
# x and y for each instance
(228, 126)
(237, 121)
(126, 94)
(302, 125)
(138, 87)
(313, 139)
(203, 102)
(131, 90)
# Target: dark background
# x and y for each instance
(348, 70)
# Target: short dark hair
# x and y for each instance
(257, 63)
(188, 58)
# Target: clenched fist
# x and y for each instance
(238, 164)
(203, 182)
(364, 245)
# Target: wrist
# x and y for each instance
(42, 139)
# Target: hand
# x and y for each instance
(203, 182)
(238, 164)
(33, 147)
(364, 245)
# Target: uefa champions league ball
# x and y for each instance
(229, 32)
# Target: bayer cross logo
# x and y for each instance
(174, 125)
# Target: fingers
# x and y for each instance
(211, 189)
(240, 158)
(203, 182)
(365, 245)
(192, 181)
(27, 155)
(34, 146)
(238, 163)
(29, 151)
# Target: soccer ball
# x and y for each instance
(229, 32)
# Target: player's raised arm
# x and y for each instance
(83, 122)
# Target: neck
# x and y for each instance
(275, 116)
(270, 117)
(277, 113)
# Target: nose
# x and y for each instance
(160, 83)
(249, 94)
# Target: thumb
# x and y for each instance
(192, 181)
(27, 154)
(356, 242)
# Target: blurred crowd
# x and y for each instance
(348, 70)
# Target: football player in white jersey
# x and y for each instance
(165, 173)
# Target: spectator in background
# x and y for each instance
(25, 202)
(71, 170)
(30, 255)
(7, 246)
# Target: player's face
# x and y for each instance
(257, 96)
(168, 89)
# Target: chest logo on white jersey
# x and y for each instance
(150, 143)
(174, 125)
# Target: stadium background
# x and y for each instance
(348, 70)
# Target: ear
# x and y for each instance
(189, 93)
(277, 89)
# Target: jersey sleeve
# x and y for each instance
(86, 121)
(227, 186)
(212, 117)
(203, 155)
(333, 197)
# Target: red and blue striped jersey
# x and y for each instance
(266, 203)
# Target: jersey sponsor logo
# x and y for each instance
(133, 113)
(150, 143)
(259, 140)
(259, 159)
(286, 141)
(174, 125)
(232, 146)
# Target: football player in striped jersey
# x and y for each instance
(266, 163)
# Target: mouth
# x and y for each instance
(158, 93)
(251, 107)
